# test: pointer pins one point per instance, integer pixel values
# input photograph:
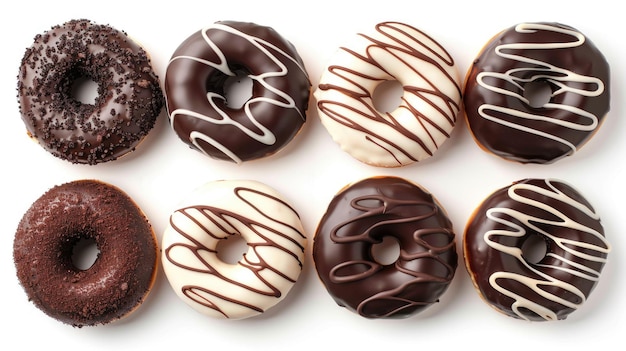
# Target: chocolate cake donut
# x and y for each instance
(123, 273)
(504, 89)
(195, 91)
(129, 97)
(362, 215)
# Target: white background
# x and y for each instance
(308, 173)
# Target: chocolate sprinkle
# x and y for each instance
(129, 95)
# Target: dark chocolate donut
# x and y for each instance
(515, 276)
(123, 273)
(199, 111)
(362, 215)
(503, 116)
(129, 96)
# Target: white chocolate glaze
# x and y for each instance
(429, 106)
(271, 229)
(568, 254)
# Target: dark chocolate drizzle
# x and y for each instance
(226, 221)
(400, 42)
(362, 215)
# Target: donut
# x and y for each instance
(430, 102)
(535, 249)
(536, 93)
(220, 210)
(129, 97)
(360, 216)
(123, 273)
(197, 104)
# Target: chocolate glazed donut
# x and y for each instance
(199, 111)
(500, 112)
(506, 270)
(129, 95)
(360, 216)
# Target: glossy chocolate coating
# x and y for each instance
(504, 270)
(125, 110)
(360, 216)
(199, 111)
(120, 278)
(504, 122)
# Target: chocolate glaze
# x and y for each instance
(576, 249)
(121, 276)
(194, 89)
(504, 123)
(360, 216)
(129, 96)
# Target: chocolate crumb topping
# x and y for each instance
(123, 273)
(129, 97)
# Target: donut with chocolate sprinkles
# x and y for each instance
(128, 100)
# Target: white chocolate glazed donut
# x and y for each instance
(430, 102)
(271, 229)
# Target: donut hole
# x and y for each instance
(534, 248)
(538, 93)
(84, 89)
(84, 253)
(237, 89)
(387, 251)
(387, 96)
(231, 249)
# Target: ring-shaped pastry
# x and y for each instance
(264, 275)
(197, 104)
(123, 273)
(430, 101)
(535, 249)
(536, 93)
(128, 102)
(362, 215)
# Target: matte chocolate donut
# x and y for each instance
(123, 273)
(362, 215)
(503, 116)
(215, 212)
(128, 102)
(195, 94)
(535, 249)
(430, 102)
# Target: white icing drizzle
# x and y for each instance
(582, 250)
(266, 136)
(262, 278)
(429, 106)
(561, 77)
